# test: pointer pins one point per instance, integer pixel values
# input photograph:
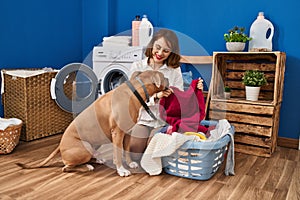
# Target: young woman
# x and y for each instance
(162, 54)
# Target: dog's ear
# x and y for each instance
(135, 74)
(156, 79)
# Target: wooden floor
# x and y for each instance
(277, 178)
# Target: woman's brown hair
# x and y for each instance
(172, 41)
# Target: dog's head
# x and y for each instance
(153, 77)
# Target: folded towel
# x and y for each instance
(222, 129)
(115, 44)
(116, 41)
(4, 123)
(162, 145)
(23, 73)
(229, 169)
(117, 38)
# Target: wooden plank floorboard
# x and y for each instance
(239, 191)
(260, 170)
(253, 192)
(286, 177)
(294, 190)
(277, 177)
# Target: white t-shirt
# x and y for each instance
(175, 79)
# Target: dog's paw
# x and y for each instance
(123, 172)
(133, 165)
(89, 167)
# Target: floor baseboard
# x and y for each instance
(288, 142)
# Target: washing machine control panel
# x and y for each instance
(117, 54)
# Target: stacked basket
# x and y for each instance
(9, 138)
(29, 99)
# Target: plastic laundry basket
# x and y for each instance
(197, 160)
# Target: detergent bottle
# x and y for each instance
(261, 32)
(135, 30)
(145, 31)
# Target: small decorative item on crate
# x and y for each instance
(227, 91)
(236, 39)
(253, 80)
(9, 134)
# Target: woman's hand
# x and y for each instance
(200, 84)
(164, 93)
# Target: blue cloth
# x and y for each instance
(189, 73)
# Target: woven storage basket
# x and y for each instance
(197, 160)
(29, 99)
(9, 138)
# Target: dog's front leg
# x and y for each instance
(130, 163)
(117, 140)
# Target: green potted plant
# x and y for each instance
(253, 80)
(227, 91)
(236, 39)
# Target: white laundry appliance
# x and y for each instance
(111, 64)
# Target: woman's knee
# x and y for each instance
(152, 133)
(139, 138)
(140, 131)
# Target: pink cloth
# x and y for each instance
(184, 110)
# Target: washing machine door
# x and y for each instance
(111, 75)
(74, 87)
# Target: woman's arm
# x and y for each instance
(178, 80)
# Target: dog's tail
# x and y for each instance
(41, 164)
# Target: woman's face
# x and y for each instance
(160, 51)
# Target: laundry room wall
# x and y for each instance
(97, 22)
(207, 21)
(37, 34)
(40, 33)
(48, 33)
(53, 33)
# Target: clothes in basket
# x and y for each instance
(186, 156)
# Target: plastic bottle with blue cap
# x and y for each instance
(261, 32)
(145, 31)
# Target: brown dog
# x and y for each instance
(107, 120)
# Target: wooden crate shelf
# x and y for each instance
(228, 69)
(256, 122)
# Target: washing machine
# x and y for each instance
(77, 85)
(111, 64)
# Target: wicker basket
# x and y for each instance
(9, 138)
(29, 99)
(197, 160)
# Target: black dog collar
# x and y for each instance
(138, 96)
(144, 88)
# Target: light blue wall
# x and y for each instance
(53, 33)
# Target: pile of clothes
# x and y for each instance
(183, 110)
